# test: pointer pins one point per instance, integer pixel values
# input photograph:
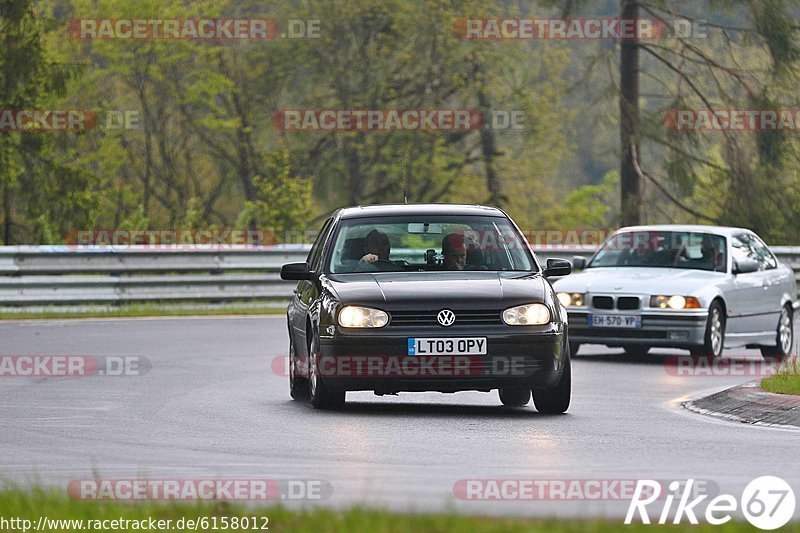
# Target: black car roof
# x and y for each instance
(417, 209)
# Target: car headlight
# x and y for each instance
(675, 301)
(527, 315)
(353, 316)
(570, 299)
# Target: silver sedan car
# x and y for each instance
(701, 288)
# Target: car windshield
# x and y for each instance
(429, 243)
(671, 249)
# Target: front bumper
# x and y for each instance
(673, 330)
(380, 362)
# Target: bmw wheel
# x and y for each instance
(784, 338)
(714, 341)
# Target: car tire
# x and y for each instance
(555, 401)
(574, 347)
(714, 340)
(636, 350)
(784, 336)
(298, 385)
(318, 394)
(515, 396)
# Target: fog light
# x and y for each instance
(678, 335)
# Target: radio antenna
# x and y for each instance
(405, 182)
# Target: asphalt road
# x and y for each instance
(213, 406)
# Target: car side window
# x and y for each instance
(316, 249)
(765, 258)
(741, 249)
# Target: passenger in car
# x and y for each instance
(711, 253)
(454, 250)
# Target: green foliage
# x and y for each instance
(55, 504)
(589, 206)
(786, 379)
(41, 193)
(206, 154)
(193, 216)
(282, 203)
(137, 220)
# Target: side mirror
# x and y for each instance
(296, 271)
(579, 262)
(745, 266)
(557, 267)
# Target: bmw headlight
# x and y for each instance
(527, 315)
(353, 316)
(570, 299)
(675, 301)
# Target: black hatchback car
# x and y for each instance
(436, 297)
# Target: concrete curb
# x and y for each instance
(748, 404)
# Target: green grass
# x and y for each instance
(145, 310)
(785, 380)
(55, 504)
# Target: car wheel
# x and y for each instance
(784, 339)
(555, 401)
(715, 333)
(636, 350)
(515, 396)
(574, 347)
(298, 385)
(318, 394)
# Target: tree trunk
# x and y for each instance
(497, 196)
(630, 182)
(7, 214)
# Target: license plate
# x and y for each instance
(447, 346)
(615, 321)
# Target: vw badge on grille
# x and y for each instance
(446, 317)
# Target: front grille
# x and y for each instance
(603, 302)
(428, 318)
(626, 303)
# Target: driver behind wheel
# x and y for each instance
(376, 247)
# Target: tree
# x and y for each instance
(749, 56)
(39, 192)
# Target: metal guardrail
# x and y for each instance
(59, 275)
